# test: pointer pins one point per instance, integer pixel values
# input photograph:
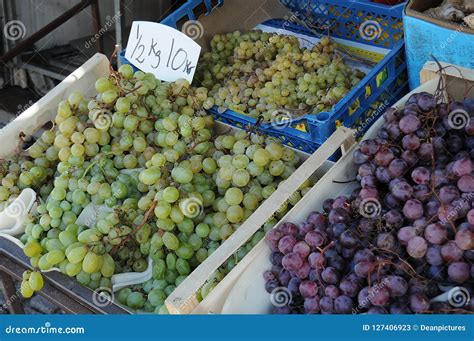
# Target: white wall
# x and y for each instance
(37, 13)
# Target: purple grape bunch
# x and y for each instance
(401, 239)
(421, 166)
(309, 265)
(325, 265)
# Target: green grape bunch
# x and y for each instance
(259, 73)
(169, 185)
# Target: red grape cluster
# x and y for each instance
(311, 266)
(421, 166)
(401, 239)
(331, 264)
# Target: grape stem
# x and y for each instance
(89, 168)
(175, 95)
(415, 274)
(114, 53)
(150, 115)
(331, 244)
(433, 189)
(138, 228)
(130, 91)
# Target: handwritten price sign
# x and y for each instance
(162, 50)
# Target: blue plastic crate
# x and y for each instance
(382, 87)
(343, 18)
(424, 39)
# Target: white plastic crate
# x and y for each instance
(245, 285)
(83, 80)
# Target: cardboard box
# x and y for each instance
(241, 15)
(427, 39)
(415, 8)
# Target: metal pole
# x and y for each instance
(97, 25)
(7, 72)
(118, 27)
(25, 44)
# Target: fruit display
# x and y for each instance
(20, 171)
(404, 237)
(262, 74)
(230, 263)
(166, 185)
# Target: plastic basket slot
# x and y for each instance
(354, 106)
(382, 77)
(191, 11)
(200, 9)
(386, 97)
(368, 92)
(183, 20)
(347, 14)
(372, 90)
(319, 9)
(335, 11)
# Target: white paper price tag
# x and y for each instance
(162, 50)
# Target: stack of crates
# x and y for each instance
(351, 20)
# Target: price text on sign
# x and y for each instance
(162, 50)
